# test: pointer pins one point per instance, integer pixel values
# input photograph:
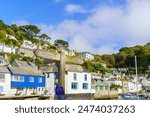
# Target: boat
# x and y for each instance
(126, 95)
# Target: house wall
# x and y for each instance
(6, 85)
(69, 79)
(86, 56)
(29, 45)
(8, 49)
(25, 88)
(26, 82)
(146, 82)
(50, 83)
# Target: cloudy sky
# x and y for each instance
(97, 26)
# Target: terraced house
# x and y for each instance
(77, 82)
(26, 78)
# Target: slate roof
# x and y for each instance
(25, 71)
(74, 68)
(25, 63)
(4, 69)
(50, 68)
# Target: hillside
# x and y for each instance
(126, 58)
(123, 59)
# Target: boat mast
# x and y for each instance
(136, 76)
(136, 68)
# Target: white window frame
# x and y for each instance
(31, 79)
(40, 79)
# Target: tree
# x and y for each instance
(31, 30)
(45, 37)
(61, 43)
(2, 25)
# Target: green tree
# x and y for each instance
(45, 37)
(31, 30)
(61, 43)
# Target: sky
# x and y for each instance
(97, 26)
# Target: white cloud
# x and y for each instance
(106, 29)
(73, 8)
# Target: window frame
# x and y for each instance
(40, 80)
(31, 78)
(74, 85)
(85, 86)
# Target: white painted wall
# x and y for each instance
(7, 85)
(86, 56)
(50, 83)
(69, 79)
(145, 82)
(29, 45)
(8, 49)
(133, 87)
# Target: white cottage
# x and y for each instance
(29, 45)
(77, 81)
(5, 82)
(7, 49)
(86, 56)
(51, 75)
(134, 87)
(3, 60)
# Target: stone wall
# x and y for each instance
(78, 96)
(25, 52)
(53, 55)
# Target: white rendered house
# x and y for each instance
(29, 45)
(77, 82)
(51, 75)
(86, 56)
(7, 49)
(5, 82)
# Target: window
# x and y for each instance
(85, 86)
(31, 79)
(101, 87)
(15, 78)
(2, 77)
(18, 78)
(75, 76)
(85, 77)
(21, 79)
(74, 86)
(106, 87)
(39, 79)
(96, 87)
